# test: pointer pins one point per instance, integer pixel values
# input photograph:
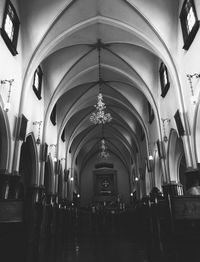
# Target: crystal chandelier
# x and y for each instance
(103, 154)
(100, 116)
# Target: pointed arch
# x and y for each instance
(174, 152)
(157, 171)
(29, 161)
(49, 175)
(5, 141)
(197, 133)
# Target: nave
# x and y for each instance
(99, 130)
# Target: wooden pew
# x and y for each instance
(176, 224)
(11, 211)
(185, 213)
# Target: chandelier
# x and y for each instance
(100, 116)
(103, 154)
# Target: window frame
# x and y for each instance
(188, 37)
(38, 90)
(11, 44)
(164, 86)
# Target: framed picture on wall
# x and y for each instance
(44, 150)
(179, 123)
(22, 127)
(104, 184)
(161, 149)
(150, 113)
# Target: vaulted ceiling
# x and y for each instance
(63, 37)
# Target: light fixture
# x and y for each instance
(167, 120)
(55, 152)
(150, 157)
(189, 76)
(100, 116)
(7, 104)
(39, 127)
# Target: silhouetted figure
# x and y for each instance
(155, 193)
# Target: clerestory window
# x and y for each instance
(10, 27)
(37, 82)
(189, 23)
(164, 79)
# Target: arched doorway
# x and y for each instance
(158, 171)
(49, 176)
(5, 139)
(197, 134)
(28, 166)
(176, 162)
(175, 151)
(182, 170)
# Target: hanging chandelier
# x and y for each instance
(103, 154)
(100, 116)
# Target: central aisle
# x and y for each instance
(102, 248)
(93, 239)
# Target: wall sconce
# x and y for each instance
(150, 157)
(193, 98)
(55, 151)
(39, 126)
(167, 120)
(7, 104)
(62, 160)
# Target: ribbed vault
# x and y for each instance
(132, 45)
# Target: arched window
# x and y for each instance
(164, 79)
(37, 82)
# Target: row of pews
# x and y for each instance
(170, 226)
(28, 223)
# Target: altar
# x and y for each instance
(105, 185)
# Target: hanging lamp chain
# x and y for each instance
(100, 116)
(99, 61)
